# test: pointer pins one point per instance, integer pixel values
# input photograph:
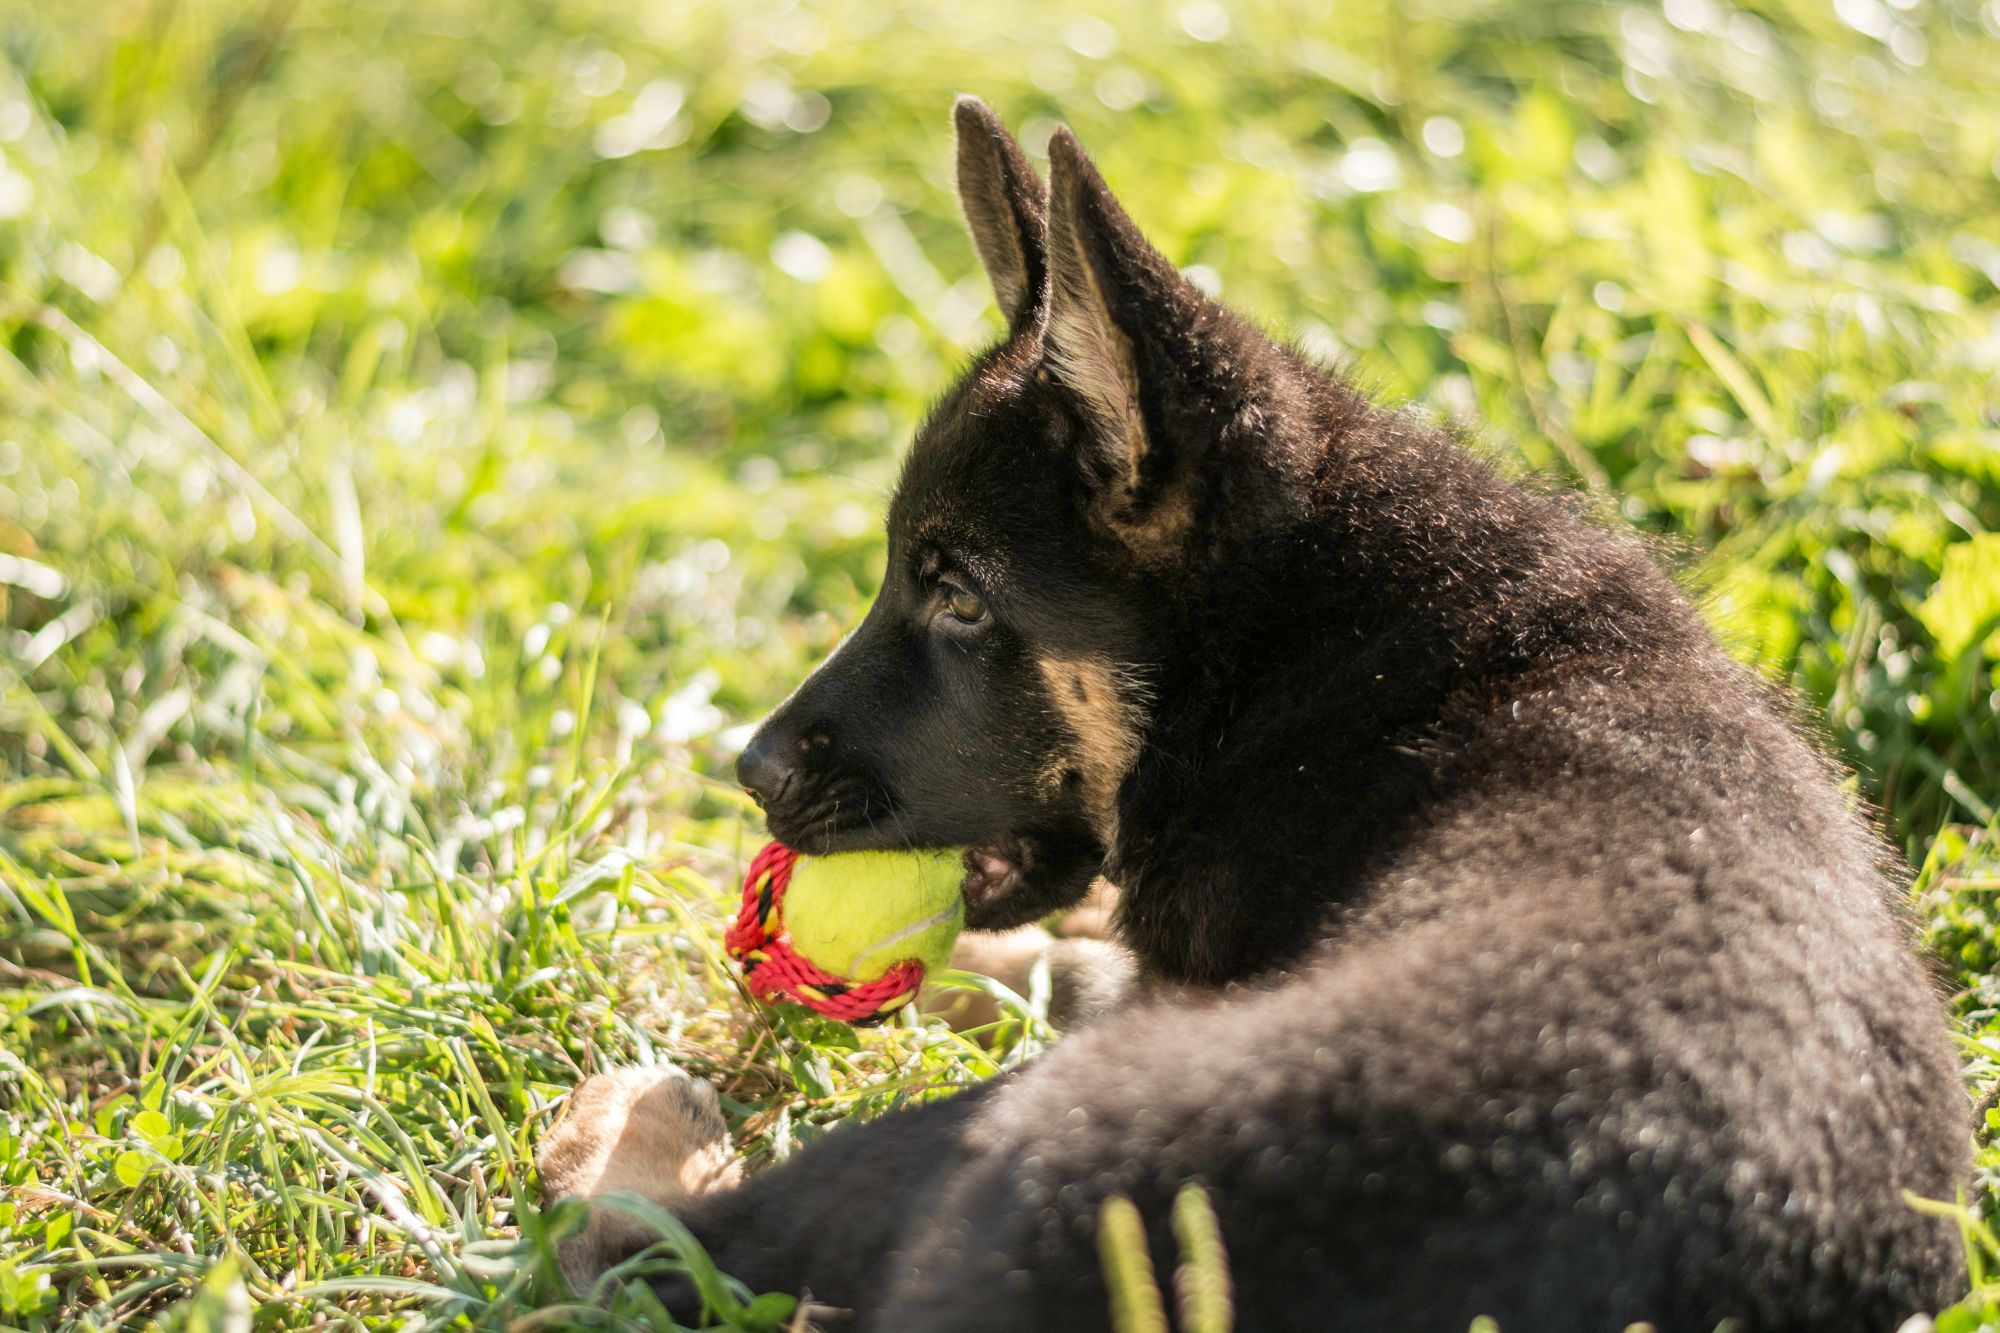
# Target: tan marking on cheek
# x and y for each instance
(1103, 722)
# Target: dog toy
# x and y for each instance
(849, 935)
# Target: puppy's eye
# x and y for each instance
(969, 607)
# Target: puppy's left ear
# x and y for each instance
(1126, 333)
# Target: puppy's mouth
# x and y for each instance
(1023, 877)
(1011, 879)
(992, 875)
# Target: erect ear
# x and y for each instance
(1002, 198)
(1117, 309)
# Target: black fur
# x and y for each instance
(1512, 953)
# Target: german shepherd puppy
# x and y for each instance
(1507, 950)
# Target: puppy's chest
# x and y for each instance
(1225, 889)
(1191, 921)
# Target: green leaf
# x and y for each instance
(770, 1310)
(24, 1290)
(106, 1118)
(131, 1168)
(1959, 1319)
(1963, 607)
(221, 1305)
(151, 1126)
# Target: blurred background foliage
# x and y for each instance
(429, 432)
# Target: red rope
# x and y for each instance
(774, 970)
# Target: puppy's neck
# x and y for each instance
(1311, 692)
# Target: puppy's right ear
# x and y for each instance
(1005, 206)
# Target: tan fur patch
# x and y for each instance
(1098, 703)
(653, 1131)
(1158, 536)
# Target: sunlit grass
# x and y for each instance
(428, 432)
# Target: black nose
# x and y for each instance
(768, 764)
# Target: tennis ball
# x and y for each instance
(858, 914)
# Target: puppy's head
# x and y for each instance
(1047, 534)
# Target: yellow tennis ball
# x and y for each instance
(858, 914)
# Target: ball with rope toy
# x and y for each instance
(850, 935)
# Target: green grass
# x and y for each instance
(427, 431)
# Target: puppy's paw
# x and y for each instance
(653, 1131)
(1087, 977)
